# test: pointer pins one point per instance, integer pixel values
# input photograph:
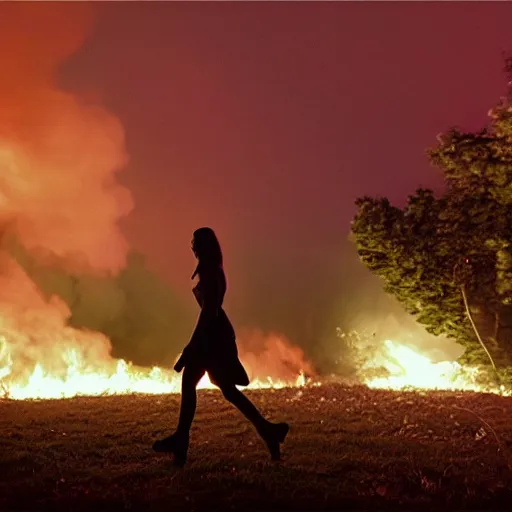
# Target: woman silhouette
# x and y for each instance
(213, 349)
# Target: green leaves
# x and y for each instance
(425, 252)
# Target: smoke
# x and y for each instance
(71, 290)
(58, 156)
(33, 333)
(59, 199)
(144, 319)
(272, 354)
(367, 317)
(66, 264)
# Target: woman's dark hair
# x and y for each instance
(206, 247)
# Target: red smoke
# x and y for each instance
(58, 194)
(58, 156)
(272, 355)
(59, 197)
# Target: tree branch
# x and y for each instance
(468, 313)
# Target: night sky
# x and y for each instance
(267, 120)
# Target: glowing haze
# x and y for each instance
(59, 200)
(59, 156)
(67, 274)
(58, 190)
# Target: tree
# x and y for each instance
(448, 259)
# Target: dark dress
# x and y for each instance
(214, 349)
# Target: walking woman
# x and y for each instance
(213, 349)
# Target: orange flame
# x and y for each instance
(42, 357)
(405, 367)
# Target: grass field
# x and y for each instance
(348, 448)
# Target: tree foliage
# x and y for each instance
(435, 250)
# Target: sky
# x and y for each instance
(267, 120)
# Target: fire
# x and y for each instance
(43, 357)
(123, 378)
(405, 367)
(61, 203)
(60, 200)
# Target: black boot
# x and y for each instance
(175, 444)
(274, 435)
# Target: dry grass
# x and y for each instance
(348, 448)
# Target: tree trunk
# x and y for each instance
(495, 331)
(504, 331)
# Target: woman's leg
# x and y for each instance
(272, 433)
(177, 443)
(191, 377)
(245, 406)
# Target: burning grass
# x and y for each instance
(348, 447)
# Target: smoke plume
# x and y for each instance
(59, 199)
(58, 156)
(72, 294)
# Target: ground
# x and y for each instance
(348, 448)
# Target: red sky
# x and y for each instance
(267, 120)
